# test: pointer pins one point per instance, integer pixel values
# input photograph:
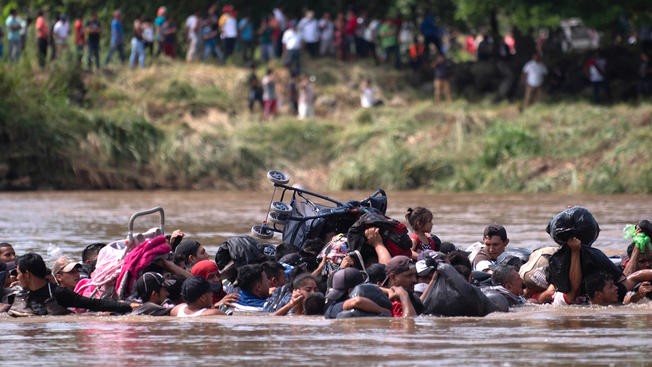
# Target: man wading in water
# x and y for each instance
(40, 297)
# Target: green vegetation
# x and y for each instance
(187, 126)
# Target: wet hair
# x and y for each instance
(376, 273)
(194, 287)
(447, 247)
(460, 261)
(273, 269)
(495, 230)
(595, 282)
(284, 249)
(630, 249)
(249, 275)
(302, 279)
(89, 251)
(5, 244)
(417, 217)
(174, 290)
(314, 304)
(312, 247)
(33, 263)
(309, 252)
(501, 274)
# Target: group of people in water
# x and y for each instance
(175, 276)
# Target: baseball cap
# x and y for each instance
(64, 264)
(343, 280)
(398, 264)
(187, 247)
(152, 282)
(423, 268)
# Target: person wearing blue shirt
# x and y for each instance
(254, 288)
(14, 28)
(117, 38)
(246, 31)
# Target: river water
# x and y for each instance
(581, 336)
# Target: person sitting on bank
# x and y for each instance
(368, 97)
(494, 243)
(254, 288)
(152, 291)
(40, 297)
(198, 295)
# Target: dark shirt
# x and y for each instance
(280, 297)
(442, 70)
(67, 298)
(94, 37)
(333, 309)
(152, 309)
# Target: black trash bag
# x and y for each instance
(591, 260)
(497, 298)
(242, 250)
(574, 222)
(452, 295)
(372, 292)
(514, 257)
(394, 233)
(480, 278)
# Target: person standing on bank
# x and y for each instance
(534, 72)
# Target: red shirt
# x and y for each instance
(397, 309)
(79, 33)
(42, 29)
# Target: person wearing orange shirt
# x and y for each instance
(42, 36)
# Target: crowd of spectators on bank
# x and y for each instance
(224, 34)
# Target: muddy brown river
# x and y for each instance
(530, 335)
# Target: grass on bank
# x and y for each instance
(176, 125)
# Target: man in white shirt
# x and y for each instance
(327, 32)
(229, 25)
(309, 29)
(292, 45)
(61, 30)
(534, 72)
(192, 30)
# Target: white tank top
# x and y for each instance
(182, 312)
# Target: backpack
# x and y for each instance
(394, 233)
(534, 271)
